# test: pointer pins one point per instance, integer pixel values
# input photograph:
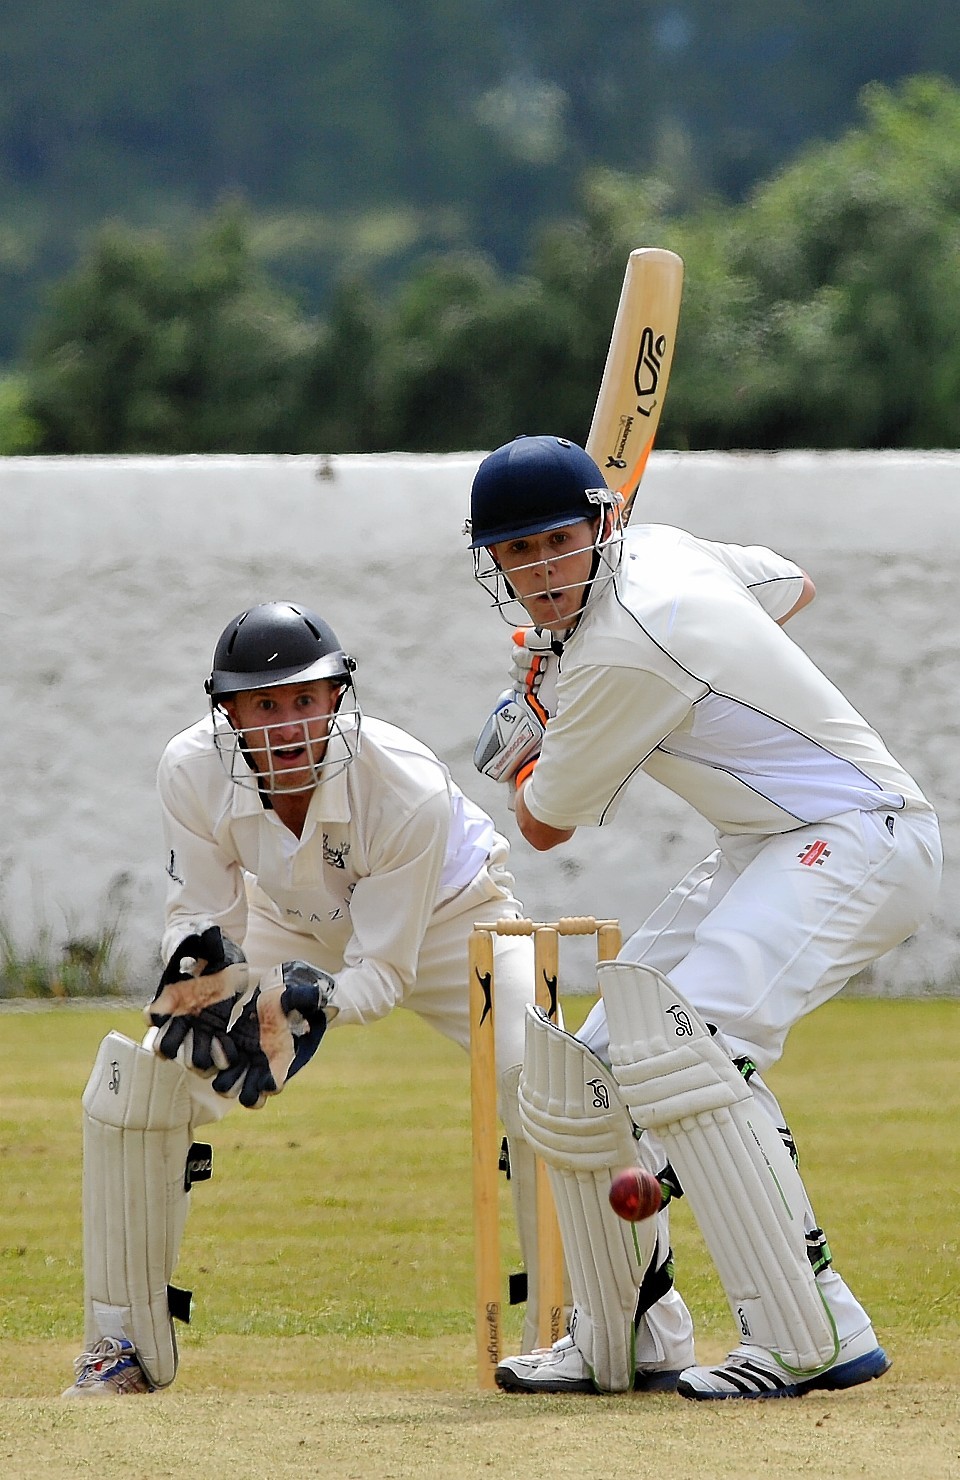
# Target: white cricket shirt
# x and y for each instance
(679, 669)
(389, 846)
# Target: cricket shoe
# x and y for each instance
(108, 1370)
(751, 1372)
(561, 1368)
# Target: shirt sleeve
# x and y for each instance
(609, 720)
(390, 910)
(773, 580)
(204, 884)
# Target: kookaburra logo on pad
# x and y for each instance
(681, 1019)
(601, 1095)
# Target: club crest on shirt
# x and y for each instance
(816, 853)
(335, 853)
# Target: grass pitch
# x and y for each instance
(331, 1260)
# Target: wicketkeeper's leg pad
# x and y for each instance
(136, 1151)
(574, 1118)
(738, 1177)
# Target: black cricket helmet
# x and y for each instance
(275, 643)
(278, 643)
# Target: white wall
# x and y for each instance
(117, 575)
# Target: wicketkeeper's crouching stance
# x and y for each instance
(345, 853)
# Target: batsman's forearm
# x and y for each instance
(540, 835)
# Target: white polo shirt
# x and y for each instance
(389, 846)
(679, 669)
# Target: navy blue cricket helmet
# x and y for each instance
(531, 485)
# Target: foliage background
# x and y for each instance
(321, 226)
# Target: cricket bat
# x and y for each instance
(637, 369)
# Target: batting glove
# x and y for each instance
(535, 665)
(200, 986)
(275, 1030)
(510, 740)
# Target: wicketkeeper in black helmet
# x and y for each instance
(323, 868)
(652, 651)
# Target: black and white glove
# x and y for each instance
(275, 1030)
(535, 665)
(510, 740)
(201, 984)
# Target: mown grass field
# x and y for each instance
(331, 1260)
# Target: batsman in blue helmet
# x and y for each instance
(650, 650)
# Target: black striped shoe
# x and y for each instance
(752, 1372)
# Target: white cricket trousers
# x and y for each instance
(441, 997)
(766, 929)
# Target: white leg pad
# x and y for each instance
(136, 1138)
(738, 1177)
(574, 1118)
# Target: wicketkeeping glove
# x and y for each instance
(510, 740)
(201, 984)
(275, 1030)
(535, 664)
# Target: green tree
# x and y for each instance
(843, 276)
(823, 312)
(151, 349)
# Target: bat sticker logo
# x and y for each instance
(646, 375)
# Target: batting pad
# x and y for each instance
(573, 1117)
(737, 1175)
(136, 1138)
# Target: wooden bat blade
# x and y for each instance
(637, 369)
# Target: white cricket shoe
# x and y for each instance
(108, 1370)
(751, 1372)
(561, 1368)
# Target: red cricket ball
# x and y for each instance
(635, 1194)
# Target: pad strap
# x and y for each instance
(745, 1191)
(573, 1117)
